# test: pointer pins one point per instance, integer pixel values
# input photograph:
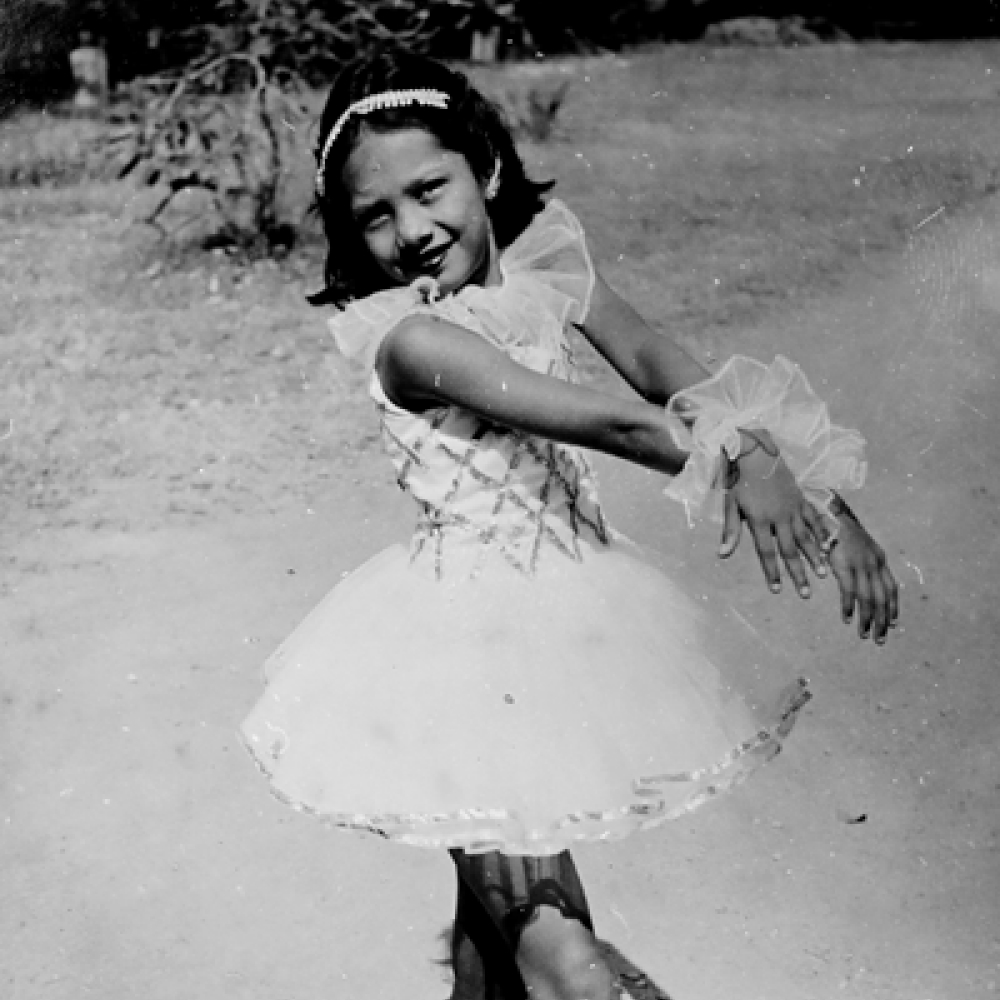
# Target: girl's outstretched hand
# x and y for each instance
(762, 491)
(865, 580)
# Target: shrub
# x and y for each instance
(314, 39)
(211, 131)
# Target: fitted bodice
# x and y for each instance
(482, 488)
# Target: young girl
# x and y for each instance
(519, 677)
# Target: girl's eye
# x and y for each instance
(373, 219)
(429, 191)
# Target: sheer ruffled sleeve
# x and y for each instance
(706, 418)
(360, 328)
(552, 251)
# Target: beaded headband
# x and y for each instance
(378, 102)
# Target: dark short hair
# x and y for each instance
(470, 125)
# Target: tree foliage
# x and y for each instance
(313, 36)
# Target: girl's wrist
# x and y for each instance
(672, 456)
(758, 457)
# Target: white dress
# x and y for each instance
(519, 677)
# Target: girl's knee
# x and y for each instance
(562, 953)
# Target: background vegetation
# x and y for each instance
(309, 36)
(218, 96)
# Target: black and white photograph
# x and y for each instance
(499, 500)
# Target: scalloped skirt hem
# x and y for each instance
(660, 798)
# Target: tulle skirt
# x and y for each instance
(501, 711)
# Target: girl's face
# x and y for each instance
(420, 210)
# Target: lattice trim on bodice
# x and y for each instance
(502, 489)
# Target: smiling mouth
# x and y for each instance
(430, 263)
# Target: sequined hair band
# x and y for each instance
(378, 102)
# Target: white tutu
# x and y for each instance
(513, 713)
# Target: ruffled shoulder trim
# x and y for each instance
(705, 421)
(553, 251)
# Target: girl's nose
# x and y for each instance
(413, 226)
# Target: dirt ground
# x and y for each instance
(141, 854)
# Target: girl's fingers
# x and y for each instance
(845, 580)
(806, 541)
(731, 528)
(789, 550)
(892, 588)
(880, 606)
(885, 586)
(817, 526)
(865, 607)
(764, 544)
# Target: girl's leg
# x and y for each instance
(538, 906)
(470, 975)
(482, 954)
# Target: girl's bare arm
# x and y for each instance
(426, 361)
(655, 366)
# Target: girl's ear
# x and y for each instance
(493, 184)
